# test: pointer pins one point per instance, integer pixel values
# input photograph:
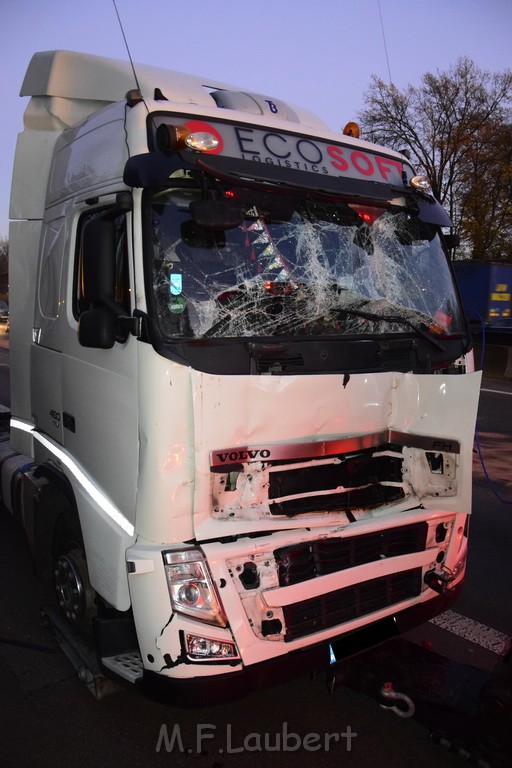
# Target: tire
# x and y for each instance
(76, 598)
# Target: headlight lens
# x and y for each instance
(191, 588)
(206, 648)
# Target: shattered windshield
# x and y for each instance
(296, 267)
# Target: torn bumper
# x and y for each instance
(292, 599)
(201, 691)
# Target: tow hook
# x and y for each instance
(389, 697)
(439, 579)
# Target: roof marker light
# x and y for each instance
(422, 183)
(133, 97)
(202, 141)
(352, 129)
(171, 138)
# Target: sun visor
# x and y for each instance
(151, 169)
(432, 212)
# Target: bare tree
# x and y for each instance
(4, 253)
(486, 196)
(456, 126)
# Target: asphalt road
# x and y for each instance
(48, 717)
(486, 597)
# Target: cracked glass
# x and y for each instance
(296, 267)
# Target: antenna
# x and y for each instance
(129, 54)
(385, 46)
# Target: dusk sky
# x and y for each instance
(320, 55)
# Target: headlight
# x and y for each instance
(206, 648)
(191, 587)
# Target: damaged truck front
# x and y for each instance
(259, 414)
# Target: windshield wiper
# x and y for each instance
(418, 329)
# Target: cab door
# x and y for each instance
(99, 361)
(46, 348)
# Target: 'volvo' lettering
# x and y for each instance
(246, 454)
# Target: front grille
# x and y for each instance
(353, 471)
(301, 562)
(345, 501)
(354, 479)
(350, 603)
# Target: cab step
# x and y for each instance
(125, 665)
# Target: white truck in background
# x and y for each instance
(242, 395)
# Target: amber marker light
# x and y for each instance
(352, 129)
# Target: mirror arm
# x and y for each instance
(126, 323)
(129, 324)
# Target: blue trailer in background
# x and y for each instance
(486, 288)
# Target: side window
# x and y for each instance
(120, 247)
(51, 268)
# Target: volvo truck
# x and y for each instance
(242, 391)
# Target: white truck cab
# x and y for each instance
(242, 400)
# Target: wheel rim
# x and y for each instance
(69, 585)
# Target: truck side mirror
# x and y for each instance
(99, 323)
(97, 328)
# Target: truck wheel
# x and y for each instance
(75, 596)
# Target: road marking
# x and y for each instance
(488, 638)
(495, 391)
